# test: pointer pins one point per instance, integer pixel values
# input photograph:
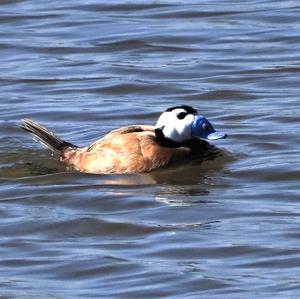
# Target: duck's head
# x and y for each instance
(183, 123)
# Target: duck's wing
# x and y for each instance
(130, 129)
(118, 132)
(132, 149)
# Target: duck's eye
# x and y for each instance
(181, 115)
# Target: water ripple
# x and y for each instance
(222, 226)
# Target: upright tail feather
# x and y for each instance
(45, 137)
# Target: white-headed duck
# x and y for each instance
(180, 132)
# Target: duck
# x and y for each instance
(180, 133)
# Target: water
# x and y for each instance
(224, 228)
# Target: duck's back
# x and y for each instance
(129, 149)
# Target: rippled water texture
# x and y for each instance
(223, 228)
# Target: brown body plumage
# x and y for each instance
(134, 149)
(130, 149)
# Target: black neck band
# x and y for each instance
(163, 140)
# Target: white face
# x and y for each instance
(176, 124)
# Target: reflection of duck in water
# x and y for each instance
(180, 132)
